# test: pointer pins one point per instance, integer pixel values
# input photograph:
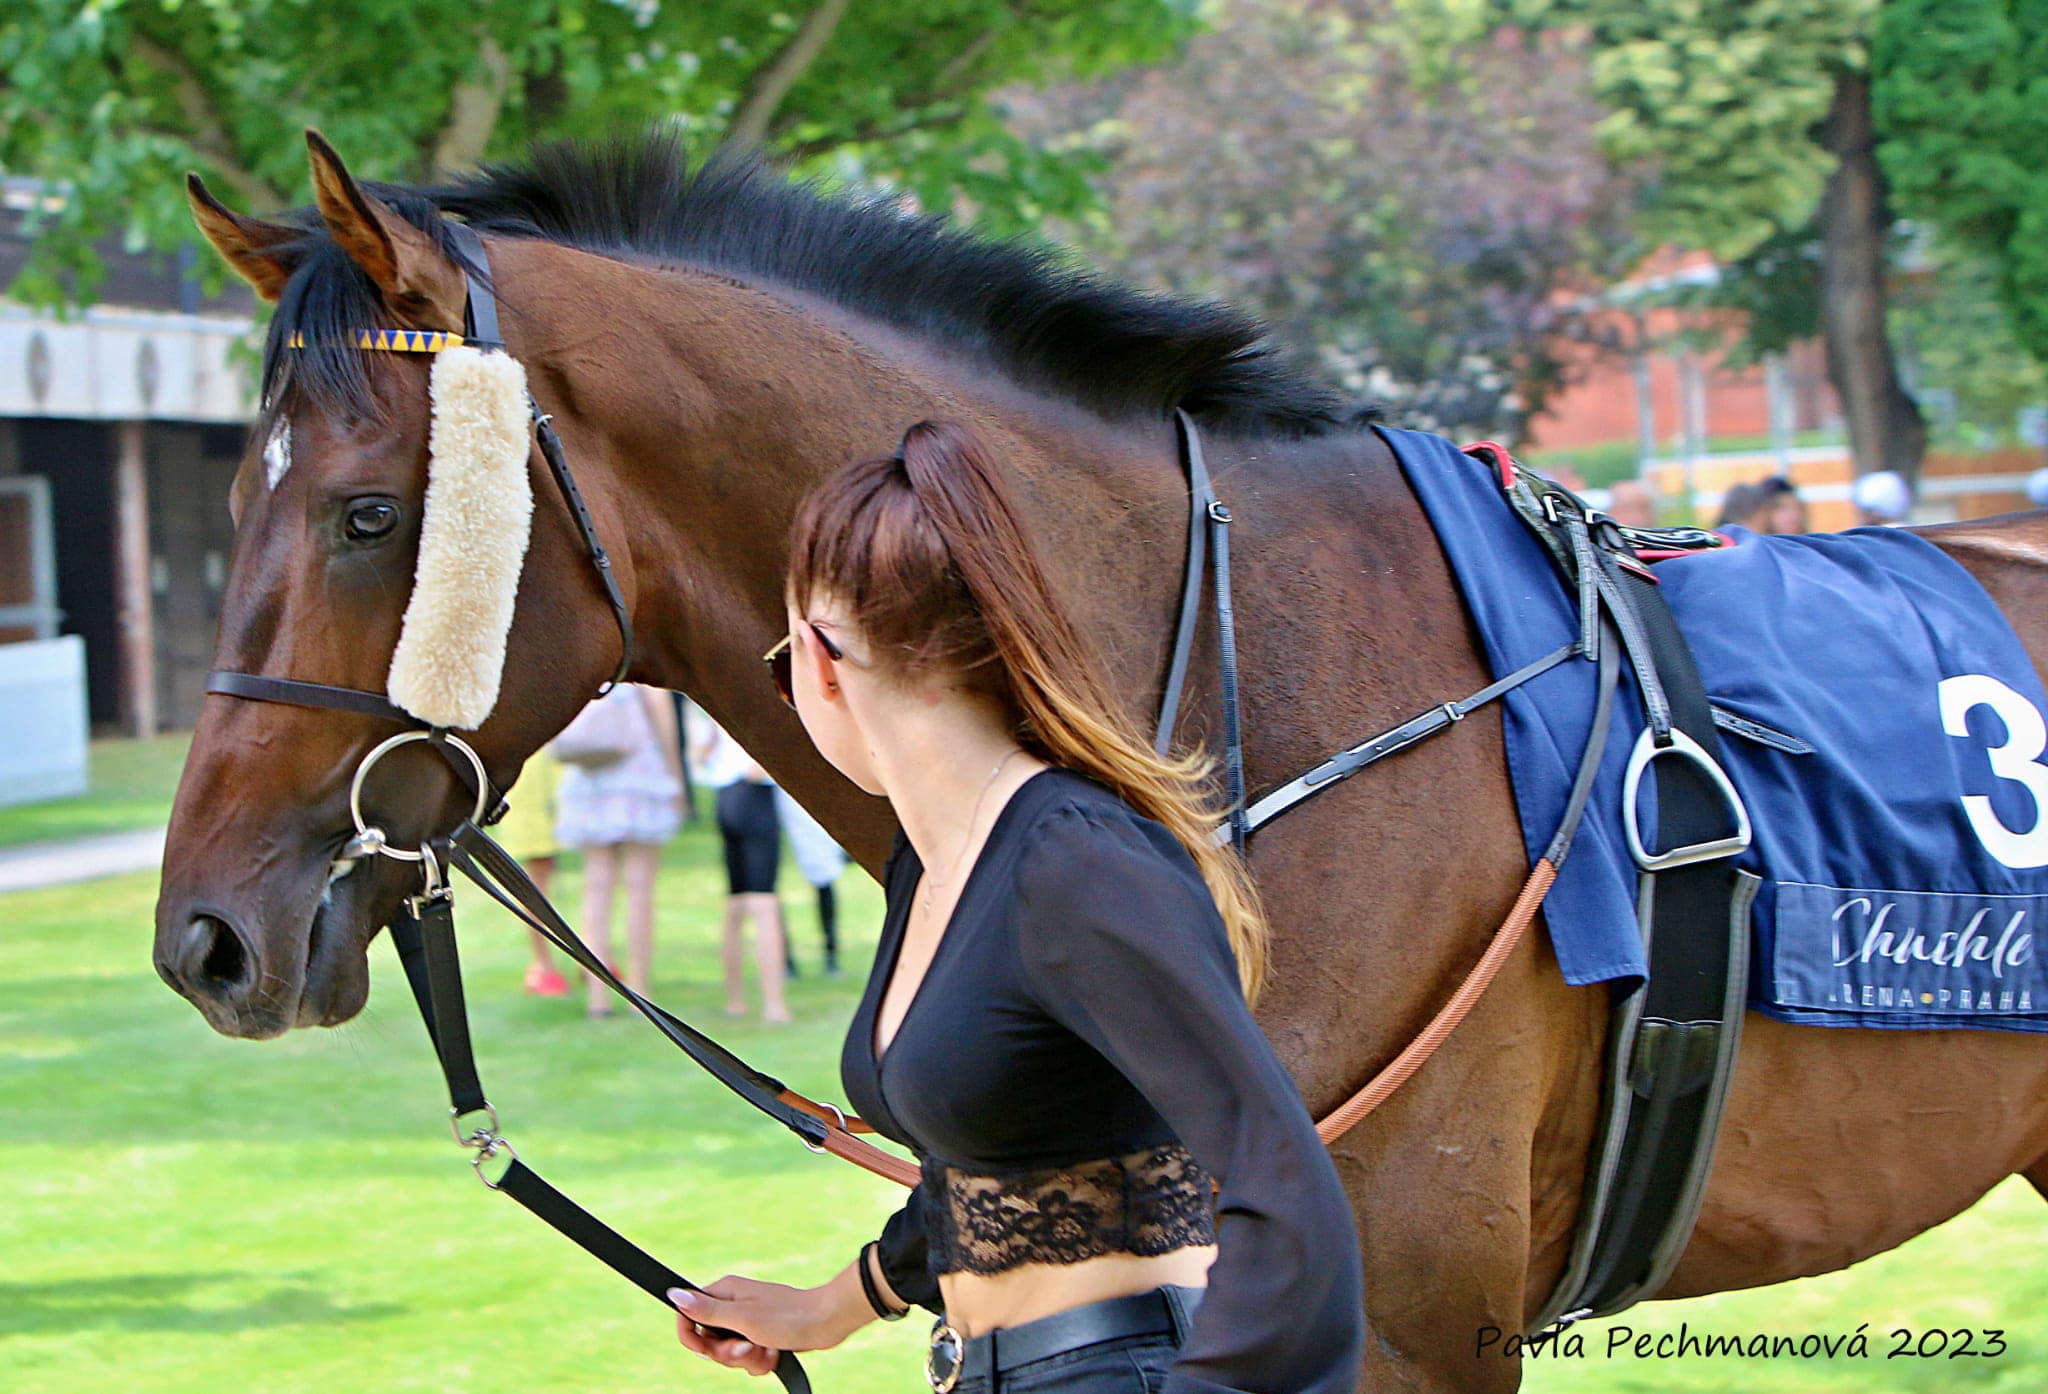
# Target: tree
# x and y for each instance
(1961, 99)
(1756, 115)
(111, 103)
(1419, 216)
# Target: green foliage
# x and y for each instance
(1961, 98)
(1956, 328)
(112, 102)
(1718, 98)
(1422, 213)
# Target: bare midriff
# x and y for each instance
(977, 1303)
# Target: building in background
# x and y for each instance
(121, 427)
(1658, 400)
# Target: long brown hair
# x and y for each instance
(928, 553)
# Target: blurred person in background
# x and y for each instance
(527, 831)
(1769, 506)
(820, 859)
(752, 834)
(1882, 498)
(1781, 511)
(621, 798)
(1739, 506)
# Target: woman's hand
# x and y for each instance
(769, 1317)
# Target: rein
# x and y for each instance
(424, 934)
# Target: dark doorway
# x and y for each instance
(77, 457)
(191, 469)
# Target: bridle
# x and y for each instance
(423, 931)
(480, 330)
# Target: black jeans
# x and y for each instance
(1128, 1364)
(1132, 1365)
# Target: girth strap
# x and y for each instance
(1689, 1014)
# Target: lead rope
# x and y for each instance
(425, 938)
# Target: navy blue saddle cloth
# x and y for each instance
(1898, 788)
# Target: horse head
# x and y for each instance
(263, 922)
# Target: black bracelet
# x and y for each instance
(874, 1296)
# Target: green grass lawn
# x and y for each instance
(189, 1215)
(132, 785)
(201, 1214)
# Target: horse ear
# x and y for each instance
(254, 248)
(419, 284)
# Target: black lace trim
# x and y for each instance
(1149, 1202)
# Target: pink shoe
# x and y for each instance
(543, 980)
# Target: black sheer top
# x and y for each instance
(1075, 1066)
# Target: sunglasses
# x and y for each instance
(780, 661)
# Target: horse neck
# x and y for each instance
(708, 419)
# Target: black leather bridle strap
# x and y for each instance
(255, 687)
(565, 483)
(292, 692)
(481, 319)
(1200, 496)
(483, 861)
(1208, 533)
(1394, 740)
(424, 934)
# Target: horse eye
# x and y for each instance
(371, 520)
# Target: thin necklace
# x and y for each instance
(972, 818)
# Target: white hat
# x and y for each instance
(1883, 494)
(2037, 488)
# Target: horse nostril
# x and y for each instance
(213, 955)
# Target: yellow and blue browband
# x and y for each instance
(403, 340)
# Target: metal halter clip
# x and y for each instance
(1686, 747)
(436, 887)
(477, 1137)
(838, 1113)
(489, 1152)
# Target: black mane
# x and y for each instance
(1024, 309)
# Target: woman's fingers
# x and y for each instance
(698, 1311)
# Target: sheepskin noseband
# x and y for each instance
(474, 530)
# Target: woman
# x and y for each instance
(820, 860)
(527, 832)
(1056, 1021)
(752, 836)
(619, 813)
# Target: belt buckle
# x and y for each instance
(945, 1359)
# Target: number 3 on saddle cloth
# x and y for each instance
(1880, 719)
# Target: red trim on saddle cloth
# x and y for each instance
(1502, 461)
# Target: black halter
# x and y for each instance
(480, 322)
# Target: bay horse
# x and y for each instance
(709, 342)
